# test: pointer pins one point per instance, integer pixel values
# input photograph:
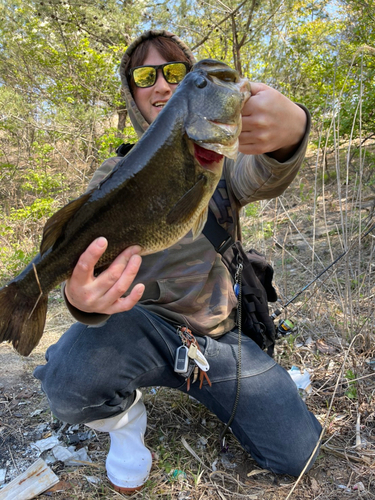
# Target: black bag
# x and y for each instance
(256, 280)
(257, 290)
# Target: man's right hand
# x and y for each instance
(103, 293)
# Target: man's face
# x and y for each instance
(151, 100)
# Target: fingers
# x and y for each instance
(84, 270)
(118, 278)
(103, 294)
(126, 303)
(270, 122)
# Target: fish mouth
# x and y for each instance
(221, 138)
(206, 157)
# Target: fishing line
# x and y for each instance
(278, 311)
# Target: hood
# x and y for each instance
(139, 123)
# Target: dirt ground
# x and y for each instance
(183, 435)
(343, 469)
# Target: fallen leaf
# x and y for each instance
(314, 485)
(60, 486)
(325, 348)
(255, 472)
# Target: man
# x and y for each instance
(127, 335)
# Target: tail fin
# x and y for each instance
(22, 318)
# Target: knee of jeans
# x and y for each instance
(298, 464)
(295, 459)
(68, 397)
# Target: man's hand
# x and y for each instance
(271, 123)
(103, 294)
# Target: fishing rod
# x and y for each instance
(285, 326)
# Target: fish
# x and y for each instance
(154, 196)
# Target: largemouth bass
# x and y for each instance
(154, 196)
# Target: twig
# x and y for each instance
(40, 289)
(358, 441)
(190, 450)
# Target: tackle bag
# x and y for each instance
(256, 280)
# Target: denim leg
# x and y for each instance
(92, 373)
(271, 422)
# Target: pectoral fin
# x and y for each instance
(55, 226)
(186, 206)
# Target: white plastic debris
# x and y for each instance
(93, 479)
(73, 428)
(227, 463)
(36, 412)
(301, 379)
(45, 444)
(79, 457)
(70, 456)
(202, 442)
(345, 488)
(61, 453)
(3, 473)
(359, 486)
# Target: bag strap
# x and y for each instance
(124, 149)
(219, 237)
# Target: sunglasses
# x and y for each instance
(173, 72)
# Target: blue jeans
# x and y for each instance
(92, 372)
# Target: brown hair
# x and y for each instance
(166, 47)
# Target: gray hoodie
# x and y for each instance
(188, 284)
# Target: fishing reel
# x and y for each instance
(284, 328)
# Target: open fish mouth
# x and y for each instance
(207, 152)
(206, 157)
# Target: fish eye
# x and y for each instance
(200, 82)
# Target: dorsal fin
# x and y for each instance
(56, 224)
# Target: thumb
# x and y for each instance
(257, 87)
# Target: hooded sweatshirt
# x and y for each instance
(187, 284)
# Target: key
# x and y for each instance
(195, 374)
(181, 361)
(199, 359)
(192, 352)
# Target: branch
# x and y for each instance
(249, 20)
(218, 24)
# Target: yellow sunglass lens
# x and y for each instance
(174, 73)
(144, 77)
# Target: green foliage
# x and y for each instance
(40, 208)
(19, 235)
(110, 140)
(351, 392)
(252, 210)
(107, 143)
